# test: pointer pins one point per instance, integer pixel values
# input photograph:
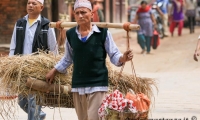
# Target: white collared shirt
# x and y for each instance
(29, 37)
(111, 49)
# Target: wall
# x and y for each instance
(116, 11)
(11, 11)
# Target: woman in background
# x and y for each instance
(191, 13)
(177, 16)
(146, 21)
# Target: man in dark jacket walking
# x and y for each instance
(31, 33)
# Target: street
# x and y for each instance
(174, 69)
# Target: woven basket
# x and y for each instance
(112, 115)
(128, 116)
(115, 115)
(55, 100)
(133, 116)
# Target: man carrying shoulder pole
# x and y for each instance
(87, 47)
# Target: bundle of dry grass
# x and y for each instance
(127, 82)
(15, 70)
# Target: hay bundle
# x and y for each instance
(15, 70)
(127, 82)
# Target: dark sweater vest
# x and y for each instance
(40, 37)
(89, 59)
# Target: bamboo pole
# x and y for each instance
(99, 24)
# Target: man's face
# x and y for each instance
(34, 7)
(83, 15)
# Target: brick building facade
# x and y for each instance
(11, 10)
(54, 10)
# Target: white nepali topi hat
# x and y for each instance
(82, 3)
(41, 1)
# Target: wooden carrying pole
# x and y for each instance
(99, 24)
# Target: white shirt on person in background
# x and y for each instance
(111, 49)
(191, 5)
(29, 36)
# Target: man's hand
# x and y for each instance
(128, 55)
(50, 75)
(196, 54)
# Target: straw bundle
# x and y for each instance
(15, 70)
(127, 82)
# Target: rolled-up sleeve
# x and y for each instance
(52, 43)
(112, 50)
(66, 61)
(13, 42)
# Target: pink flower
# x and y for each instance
(124, 103)
(116, 101)
(113, 105)
(101, 112)
(120, 108)
(133, 109)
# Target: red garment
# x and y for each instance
(174, 24)
(95, 14)
(181, 1)
(155, 42)
(140, 101)
(140, 9)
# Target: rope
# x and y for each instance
(61, 39)
(126, 27)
